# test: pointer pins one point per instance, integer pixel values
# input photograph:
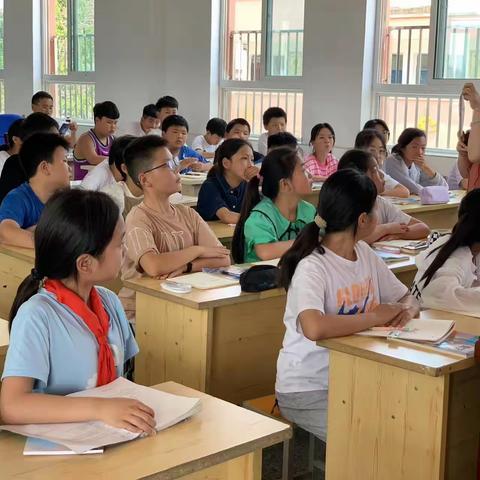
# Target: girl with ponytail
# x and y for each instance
(273, 213)
(66, 334)
(448, 275)
(336, 285)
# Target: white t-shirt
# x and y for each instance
(200, 145)
(390, 183)
(263, 143)
(99, 177)
(135, 129)
(387, 212)
(332, 285)
(3, 158)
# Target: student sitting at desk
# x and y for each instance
(240, 128)
(374, 142)
(149, 123)
(471, 94)
(166, 106)
(44, 159)
(336, 285)
(274, 121)
(106, 172)
(392, 223)
(68, 335)
(14, 142)
(13, 174)
(268, 224)
(407, 163)
(125, 193)
(221, 195)
(207, 144)
(184, 159)
(321, 163)
(448, 271)
(163, 240)
(93, 146)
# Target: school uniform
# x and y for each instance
(22, 206)
(411, 177)
(200, 145)
(186, 152)
(266, 224)
(332, 285)
(263, 143)
(99, 177)
(54, 346)
(387, 212)
(455, 285)
(215, 193)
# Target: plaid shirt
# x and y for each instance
(317, 170)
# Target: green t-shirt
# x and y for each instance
(266, 224)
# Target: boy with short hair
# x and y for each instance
(43, 102)
(12, 173)
(240, 128)
(274, 121)
(175, 130)
(43, 157)
(166, 106)
(163, 240)
(94, 146)
(207, 144)
(282, 139)
(149, 123)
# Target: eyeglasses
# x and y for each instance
(158, 166)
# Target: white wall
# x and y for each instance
(149, 48)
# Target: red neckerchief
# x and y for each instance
(96, 319)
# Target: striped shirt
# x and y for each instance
(316, 169)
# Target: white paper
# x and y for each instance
(80, 437)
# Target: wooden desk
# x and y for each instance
(223, 442)
(223, 231)
(220, 341)
(402, 412)
(15, 264)
(442, 216)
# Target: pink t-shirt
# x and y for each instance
(316, 169)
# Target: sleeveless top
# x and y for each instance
(100, 149)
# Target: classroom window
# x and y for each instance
(262, 60)
(458, 39)
(285, 37)
(69, 56)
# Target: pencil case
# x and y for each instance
(433, 195)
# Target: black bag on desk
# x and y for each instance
(259, 278)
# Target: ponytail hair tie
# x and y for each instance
(321, 224)
(36, 275)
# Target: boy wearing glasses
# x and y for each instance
(163, 240)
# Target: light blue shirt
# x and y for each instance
(54, 346)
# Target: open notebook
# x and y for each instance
(81, 437)
(416, 330)
(401, 246)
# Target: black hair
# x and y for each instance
(407, 136)
(237, 121)
(117, 150)
(166, 102)
(15, 130)
(226, 150)
(174, 121)
(150, 111)
(357, 159)
(316, 130)
(216, 126)
(106, 109)
(74, 222)
(344, 196)
(465, 233)
(278, 164)
(37, 122)
(465, 137)
(40, 96)
(38, 148)
(138, 155)
(282, 139)
(273, 112)
(374, 122)
(366, 137)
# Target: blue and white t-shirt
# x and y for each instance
(54, 346)
(22, 206)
